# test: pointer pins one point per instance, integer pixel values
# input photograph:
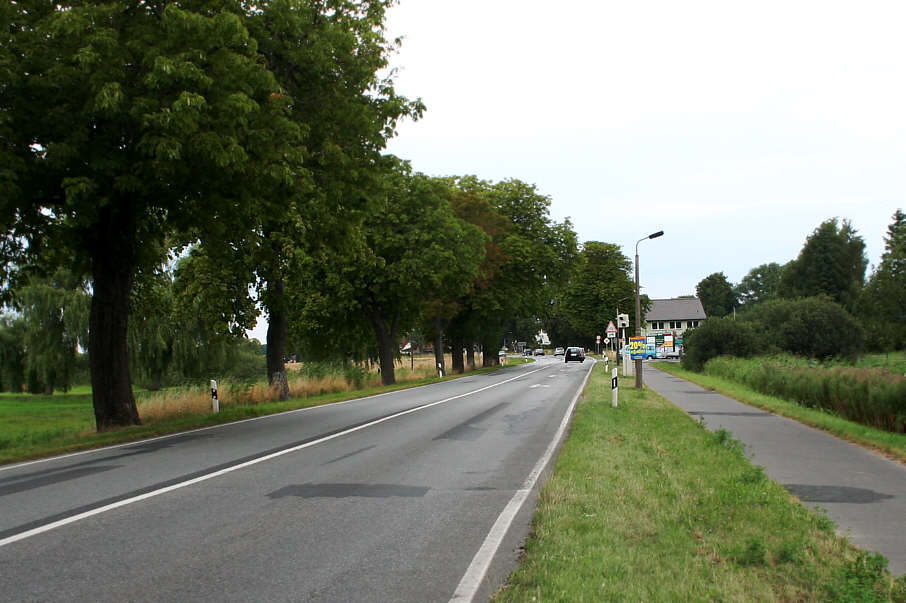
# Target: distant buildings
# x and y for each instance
(673, 316)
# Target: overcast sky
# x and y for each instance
(737, 128)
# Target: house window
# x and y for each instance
(657, 325)
(676, 324)
(691, 323)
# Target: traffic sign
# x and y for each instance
(611, 330)
(606, 341)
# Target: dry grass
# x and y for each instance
(176, 403)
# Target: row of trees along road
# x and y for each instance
(831, 264)
(180, 166)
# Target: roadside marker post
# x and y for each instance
(614, 389)
(215, 403)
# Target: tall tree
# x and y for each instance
(132, 120)
(411, 248)
(759, 285)
(55, 312)
(601, 280)
(12, 353)
(536, 256)
(882, 304)
(716, 294)
(832, 262)
(329, 58)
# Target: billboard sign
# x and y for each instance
(637, 348)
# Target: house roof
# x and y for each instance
(676, 309)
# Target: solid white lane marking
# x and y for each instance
(128, 501)
(471, 580)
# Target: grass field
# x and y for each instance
(891, 444)
(33, 426)
(646, 505)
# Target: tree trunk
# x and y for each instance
(386, 338)
(277, 329)
(456, 347)
(489, 354)
(157, 379)
(470, 355)
(439, 345)
(111, 383)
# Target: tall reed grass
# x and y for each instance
(305, 380)
(870, 396)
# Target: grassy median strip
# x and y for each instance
(891, 444)
(646, 505)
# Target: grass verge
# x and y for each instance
(644, 504)
(38, 426)
(891, 444)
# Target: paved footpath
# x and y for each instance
(863, 492)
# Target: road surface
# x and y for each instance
(387, 498)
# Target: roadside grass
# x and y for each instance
(34, 426)
(644, 504)
(895, 362)
(891, 444)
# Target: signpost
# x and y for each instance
(614, 389)
(215, 403)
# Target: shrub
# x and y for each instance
(814, 327)
(718, 337)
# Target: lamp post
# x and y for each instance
(638, 306)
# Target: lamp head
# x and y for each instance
(656, 234)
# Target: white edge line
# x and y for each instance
(128, 501)
(478, 569)
(217, 426)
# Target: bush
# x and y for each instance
(718, 337)
(814, 327)
(873, 397)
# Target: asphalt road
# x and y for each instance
(863, 492)
(388, 498)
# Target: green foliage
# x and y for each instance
(12, 353)
(882, 304)
(410, 247)
(131, 123)
(600, 280)
(55, 314)
(759, 285)
(717, 295)
(832, 262)
(529, 259)
(864, 579)
(718, 337)
(814, 327)
(873, 397)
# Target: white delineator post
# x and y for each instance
(614, 389)
(215, 403)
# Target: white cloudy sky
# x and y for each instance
(735, 127)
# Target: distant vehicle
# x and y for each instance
(674, 353)
(559, 352)
(573, 353)
(527, 352)
(539, 352)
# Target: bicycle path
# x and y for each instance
(862, 492)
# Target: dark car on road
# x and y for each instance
(574, 353)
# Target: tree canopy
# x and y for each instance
(832, 262)
(717, 295)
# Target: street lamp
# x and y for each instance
(638, 306)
